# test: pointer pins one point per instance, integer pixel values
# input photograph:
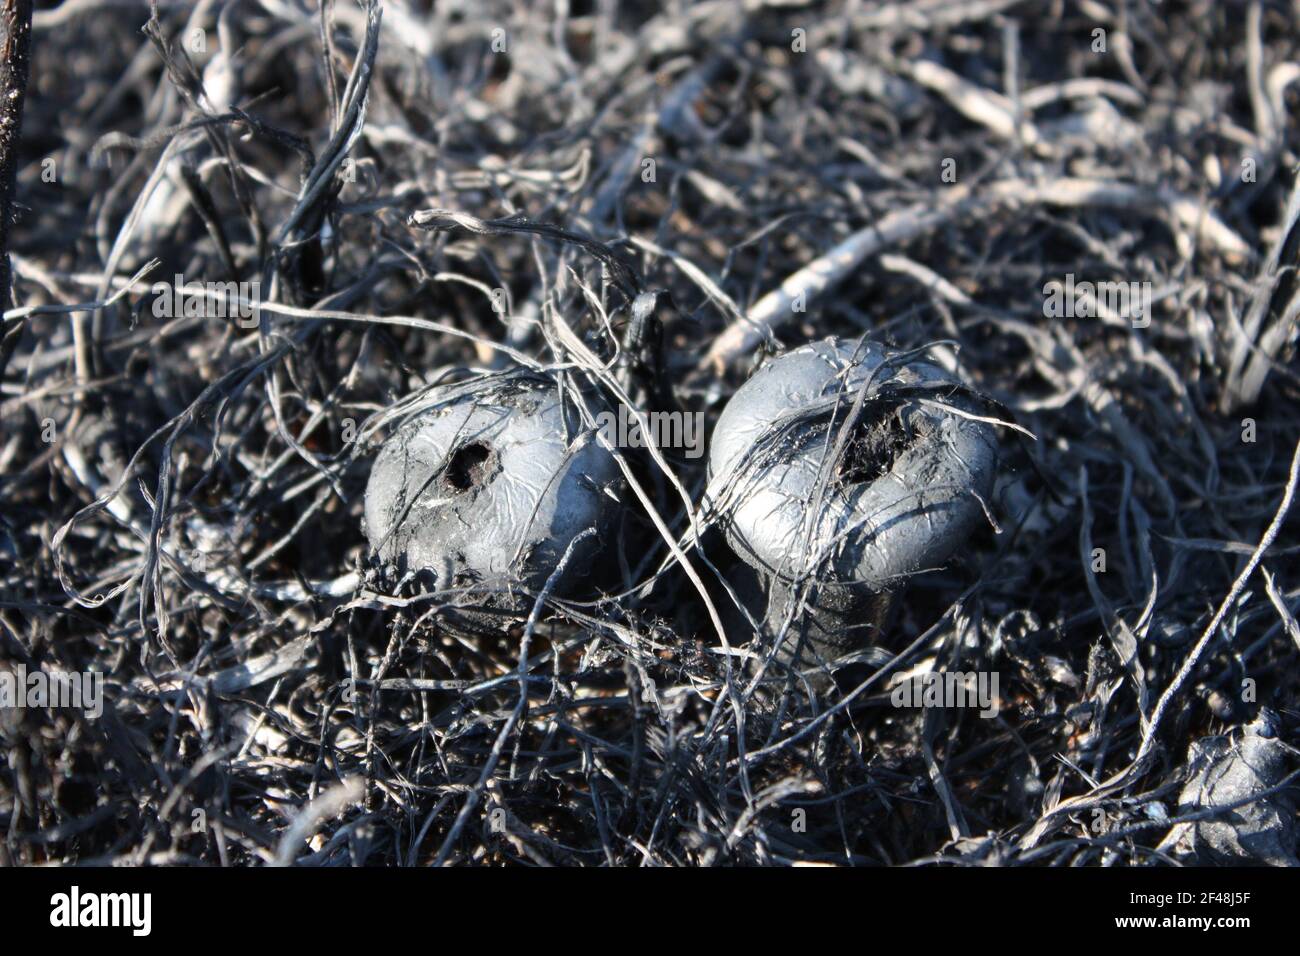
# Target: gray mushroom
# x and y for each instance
(485, 492)
(1253, 827)
(836, 519)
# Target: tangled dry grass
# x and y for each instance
(180, 494)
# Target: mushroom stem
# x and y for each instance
(820, 622)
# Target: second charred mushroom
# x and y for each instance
(838, 471)
(483, 495)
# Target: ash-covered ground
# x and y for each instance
(229, 289)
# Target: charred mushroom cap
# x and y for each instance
(487, 490)
(902, 497)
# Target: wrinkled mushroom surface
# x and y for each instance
(487, 489)
(1227, 773)
(898, 502)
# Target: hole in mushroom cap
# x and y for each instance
(878, 443)
(468, 466)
